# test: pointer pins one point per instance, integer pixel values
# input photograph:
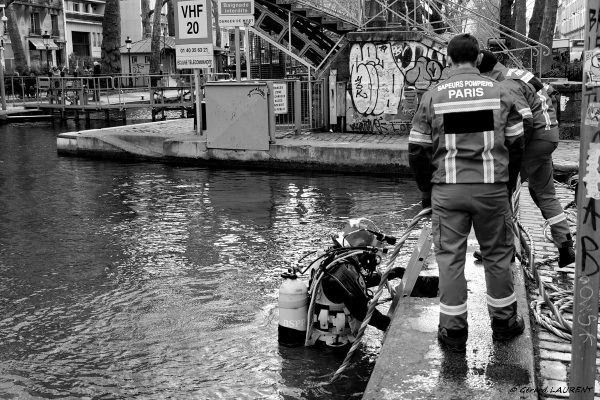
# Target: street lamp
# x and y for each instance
(128, 44)
(46, 39)
(160, 54)
(2, 91)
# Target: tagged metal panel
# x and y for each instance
(237, 116)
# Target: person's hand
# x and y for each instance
(426, 199)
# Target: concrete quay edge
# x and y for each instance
(413, 365)
(174, 141)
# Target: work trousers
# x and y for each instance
(537, 167)
(455, 208)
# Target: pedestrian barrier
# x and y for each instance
(299, 105)
(302, 105)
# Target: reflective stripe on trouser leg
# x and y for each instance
(537, 166)
(451, 226)
(493, 228)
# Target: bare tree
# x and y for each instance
(15, 37)
(111, 38)
(155, 42)
(171, 18)
(506, 14)
(537, 17)
(520, 16)
(547, 32)
(146, 13)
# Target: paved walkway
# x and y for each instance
(554, 353)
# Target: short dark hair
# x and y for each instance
(488, 61)
(463, 48)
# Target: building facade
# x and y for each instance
(35, 19)
(131, 20)
(570, 20)
(84, 27)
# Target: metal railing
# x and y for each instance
(99, 91)
(305, 106)
(306, 100)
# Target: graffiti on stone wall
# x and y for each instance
(385, 79)
(380, 125)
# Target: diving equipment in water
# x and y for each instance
(293, 302)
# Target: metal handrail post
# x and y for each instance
(297, 107)
(310, 113)
(62, 92)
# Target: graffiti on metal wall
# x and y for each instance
(385, 79)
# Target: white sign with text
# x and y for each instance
(194, 56)
(233, 13)
(280, 99)
(193, 38)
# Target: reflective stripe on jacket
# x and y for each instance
(544, 115)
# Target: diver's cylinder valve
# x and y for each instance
(293, 301)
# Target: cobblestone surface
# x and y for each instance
(554, 352)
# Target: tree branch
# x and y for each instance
(152, 11)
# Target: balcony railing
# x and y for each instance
(35, 31)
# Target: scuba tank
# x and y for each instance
(293, 302)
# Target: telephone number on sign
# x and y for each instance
(193, 50)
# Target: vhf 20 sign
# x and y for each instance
(193, 19)
(193, 39)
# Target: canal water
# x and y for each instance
(141, 280)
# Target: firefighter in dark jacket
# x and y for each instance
(540, 142)
(465, 148)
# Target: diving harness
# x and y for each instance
(307, 297)
(358, 249)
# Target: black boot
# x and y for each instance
(566, 254)
(454, 340)
(507, 329)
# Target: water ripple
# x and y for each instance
(122, 280)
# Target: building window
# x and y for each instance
(93, 39)
(54, 20)
(75, 7)
(134, 59)
(86, 8)
(35, 24)
(146, 59)
(81, 43)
